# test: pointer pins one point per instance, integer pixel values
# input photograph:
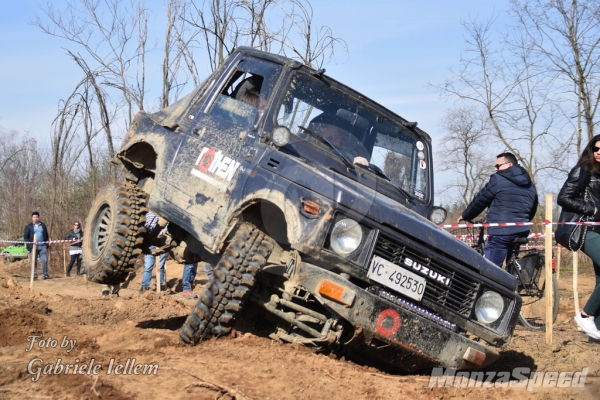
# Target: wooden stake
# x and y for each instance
(558, 263)
(575, 273)
(33, 261)
(65, 260)
(48, 260)
(157, 267)
(548, 253)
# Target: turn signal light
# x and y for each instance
(336, 292)
(312, 207)
(475, 356)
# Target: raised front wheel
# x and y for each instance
(114, 225)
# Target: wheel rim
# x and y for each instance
(101, 230)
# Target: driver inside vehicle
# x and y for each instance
(341, 139)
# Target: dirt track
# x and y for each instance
(115, 331)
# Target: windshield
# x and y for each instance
(361, 134)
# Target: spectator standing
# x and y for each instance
(510, 196)
(150, 259)
(36, 231)
(75, 247)
(580, 194)
(187, 280)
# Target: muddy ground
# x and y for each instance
(119, 334)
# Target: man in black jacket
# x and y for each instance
(36, 231)
(510, 196)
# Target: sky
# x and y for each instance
(396, 48)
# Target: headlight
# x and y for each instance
(489, 307)
(346, 236)
(437, 215)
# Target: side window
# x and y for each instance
(243, 98)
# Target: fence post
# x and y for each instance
(65, 260)
(33, 261)
(575, 273)
(157, 268)
(548, 255)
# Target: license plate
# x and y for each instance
(397, 278)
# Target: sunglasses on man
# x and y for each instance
(497, 166)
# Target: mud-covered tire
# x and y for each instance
(226, 293)
(113, 228)
(8, 260)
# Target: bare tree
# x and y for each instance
(226, 25)
(464, 149)
(317, 42)
(567, 35)
(113, 36)
(503, 78)
(25, 182)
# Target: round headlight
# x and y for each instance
(489, 307)
(437, 215)
(280, 136)
(346, 236)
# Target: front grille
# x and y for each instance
(458, 296)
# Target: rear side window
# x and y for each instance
(243, 98)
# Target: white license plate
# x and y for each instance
(397, 278)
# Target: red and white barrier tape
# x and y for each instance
(494, 224)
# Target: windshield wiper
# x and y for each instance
(377, 171)
(332, 147)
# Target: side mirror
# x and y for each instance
(280, 136)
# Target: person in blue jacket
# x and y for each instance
(510, 196)
(36, 231)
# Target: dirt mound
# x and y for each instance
(127, 346)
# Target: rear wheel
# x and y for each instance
(114, 223)
(533, 311)
(226, 293)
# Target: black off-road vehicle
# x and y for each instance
(314, 203)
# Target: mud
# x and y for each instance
(129, 331)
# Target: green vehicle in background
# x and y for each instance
(15, 252)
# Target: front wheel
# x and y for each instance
(226, 293)
(8, 260)
(533, 311)
(114, 223)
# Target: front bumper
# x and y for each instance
(394, 334)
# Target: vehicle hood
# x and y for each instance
(388, 212)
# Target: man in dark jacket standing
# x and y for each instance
(36, 231)
(510, 196)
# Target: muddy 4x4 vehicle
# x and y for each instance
(259, 172)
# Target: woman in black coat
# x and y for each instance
(75, 248)
(572, 197)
